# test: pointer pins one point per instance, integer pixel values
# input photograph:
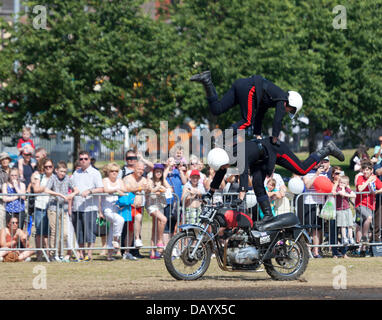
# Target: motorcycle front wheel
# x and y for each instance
(290, 261)
(177, 257)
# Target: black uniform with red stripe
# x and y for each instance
(261, 156)
(255, 95)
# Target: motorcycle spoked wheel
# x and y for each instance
(177, 260)
(292, 264)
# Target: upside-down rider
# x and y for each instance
(256, 95)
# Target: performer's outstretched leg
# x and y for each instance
(288, 160)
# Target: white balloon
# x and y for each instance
(296, 185)
(250, 199)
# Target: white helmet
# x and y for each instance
(294, 100)
(216, 158)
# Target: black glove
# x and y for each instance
(238, 203)
(207, 197)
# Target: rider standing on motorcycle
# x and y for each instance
(256, 95)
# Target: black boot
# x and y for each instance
(268, 215)
(330, 150)
(205, 79)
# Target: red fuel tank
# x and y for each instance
(237, 219)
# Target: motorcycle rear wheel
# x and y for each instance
(293, 265)
(177, 260)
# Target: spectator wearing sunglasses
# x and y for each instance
(26, 166)
(13, 237)
(195, 164)
(132, 158)
(85, 206)
(114, 187)
(39, 180)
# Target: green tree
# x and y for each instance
(294, 44)
(98, 65)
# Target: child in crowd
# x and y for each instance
(60, 186)
(25, 145)
(365, 203)
(25, 142)
(344, 214)
(273, 195)
(179, 155)
(192, 192)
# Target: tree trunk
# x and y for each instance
(76, 145)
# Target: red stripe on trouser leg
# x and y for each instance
(249, 113)
(295, 165)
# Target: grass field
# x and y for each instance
(361, 278)
(149, 279)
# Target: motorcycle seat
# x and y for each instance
(282, 221)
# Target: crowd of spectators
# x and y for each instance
(350, 229)
(70, 205)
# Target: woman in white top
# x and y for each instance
(39, 180)
(115, 187)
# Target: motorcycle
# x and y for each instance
(281, 247)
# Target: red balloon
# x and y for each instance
(323, 184)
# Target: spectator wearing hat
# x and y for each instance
(155, 204)
(191, 197)
(5, 160)
(195, 164)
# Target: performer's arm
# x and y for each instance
(257, 123)
(217, 180)
(277, 120)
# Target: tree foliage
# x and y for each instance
(294, 44)
(99, 65)
(142, 65)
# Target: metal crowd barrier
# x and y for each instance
(366, 231)
(68, 228)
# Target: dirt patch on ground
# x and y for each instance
(360, 278)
